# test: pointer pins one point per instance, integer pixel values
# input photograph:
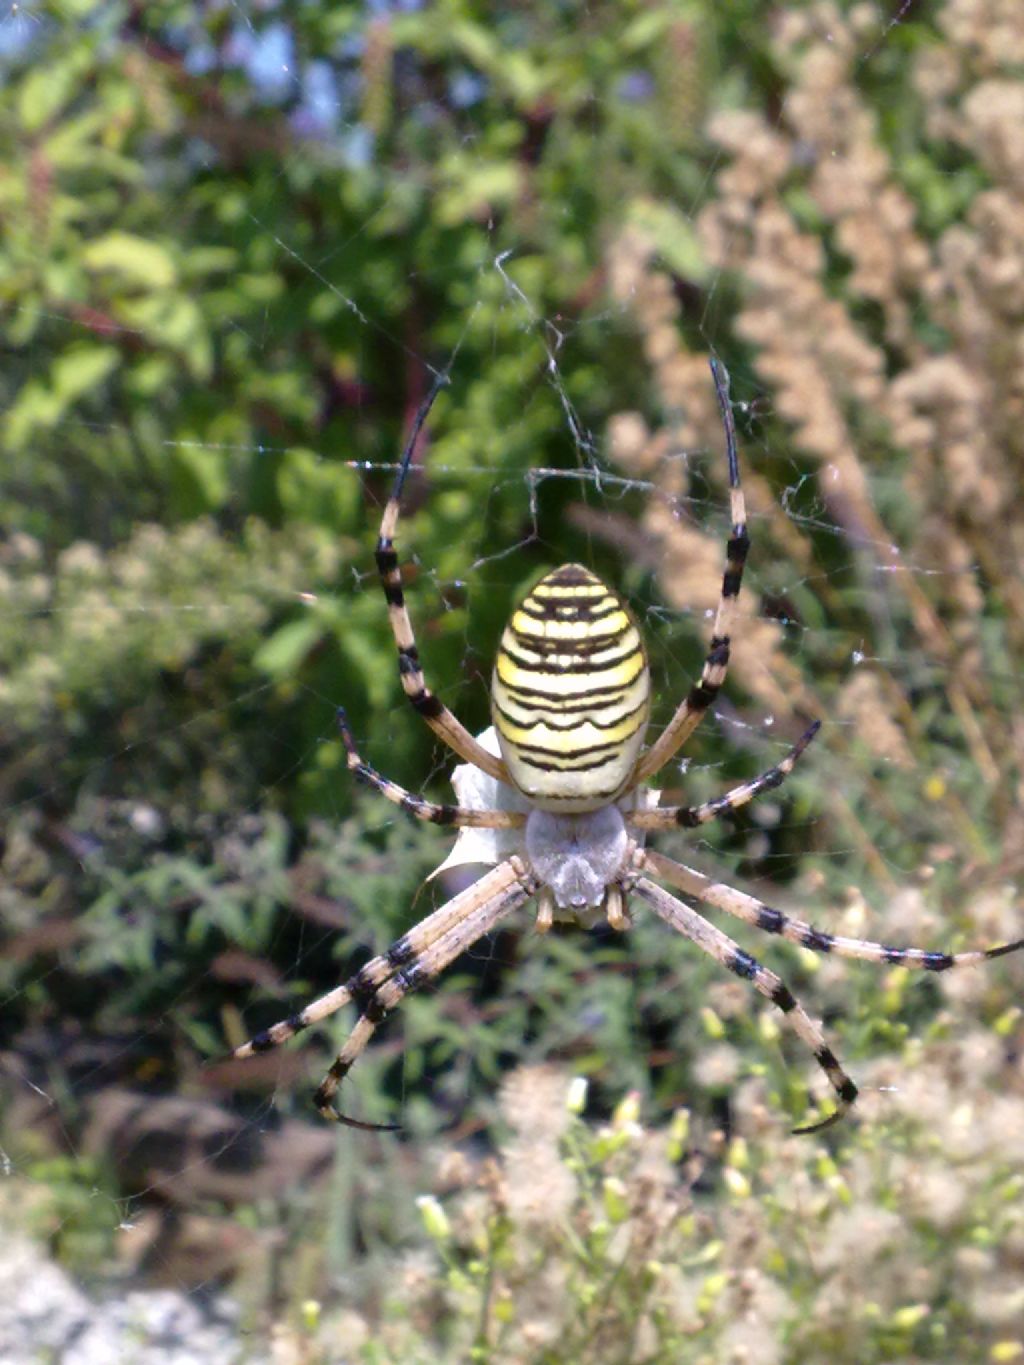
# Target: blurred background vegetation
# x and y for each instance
(239, 239)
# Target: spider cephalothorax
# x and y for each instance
(553, 797)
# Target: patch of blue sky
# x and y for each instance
(467, 88)
(200, 58)
(270, 62)
(267, 57)
(320, 104)
(20, 26)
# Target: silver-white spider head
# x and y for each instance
(576, 856)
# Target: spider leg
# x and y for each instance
(703, 693)
(722, 948)
(417, 970)
(616, 909)
(460, 816)
(371, 975)
(670, 817)
(545, 910)
(443, 723)
(772, 921)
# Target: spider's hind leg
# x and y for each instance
(479, 910)
(720, 946)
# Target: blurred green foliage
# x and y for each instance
(217, 310)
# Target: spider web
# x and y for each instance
(639, 492)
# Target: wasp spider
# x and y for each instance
(559, 808)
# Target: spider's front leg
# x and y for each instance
(410, 670)
(703, 693)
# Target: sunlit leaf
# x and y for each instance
(285, 650)
(138, 260)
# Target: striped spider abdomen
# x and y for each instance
(571, 693)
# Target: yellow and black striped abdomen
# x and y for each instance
(571, 693)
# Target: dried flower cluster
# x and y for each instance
(638, 1245)
(882, 306)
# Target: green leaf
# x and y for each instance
(209, 260)
(365, 659)
(282, 655)
(202, 476)
(73, 140)
(35, 406)
(475, 187)
(315, 490)
(46, 90)
(80, 370)
(172, 320)
(137, 259)
(674, 236)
